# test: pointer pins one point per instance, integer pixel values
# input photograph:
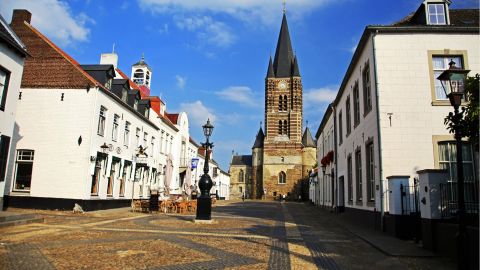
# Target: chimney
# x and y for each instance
(19, 16)
(109, 59)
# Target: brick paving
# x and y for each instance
(249, 235)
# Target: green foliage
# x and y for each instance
(468, 117)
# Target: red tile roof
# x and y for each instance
(173, 117)
(48, 66)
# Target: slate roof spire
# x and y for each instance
(307, 139)
(282, 63)
(270, 73)
(259, 140)
(296, 70)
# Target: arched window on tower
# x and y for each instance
(280, 103)
(296, 102)
(147, 79)
(280, 129)
(282, 178)
(138, 76)
(285, 127)
(285, 103)
(240, 176)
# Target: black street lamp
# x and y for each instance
(204, 201)
(453, 83)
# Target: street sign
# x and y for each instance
(194, 163)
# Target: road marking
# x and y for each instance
(111, 221)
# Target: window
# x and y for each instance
(367, 93)
(108, 84)
(282, 178)
(152, 143)
(135, 104)
(348, 115)
(137, 136)
(101, 121)
(240, 189)
(280, 127)
(448, 156)
(240, 176)
(356, 105)
(370, 166)
(161, 141)
(340, 128)
(280, 104)
(145, 135)
(285, 127)
(23, 169)
(127, 166)
(124, 95)
(126, 135)
(138, 76)
(285, 103)
(4, 147)
(436, 14)
(100, 163)
(349, 178)
(116, 120)
(358, 174)
(4, 80)
(439, 64)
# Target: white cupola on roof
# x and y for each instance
(141, 73)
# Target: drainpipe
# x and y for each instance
(92, 137)
(382, 194)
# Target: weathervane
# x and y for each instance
(284, 6)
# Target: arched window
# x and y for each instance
(240, 176)
(138, 76)
(285, 128)
(280, 127)
(280, 103)
(282, 178)
(285, 102)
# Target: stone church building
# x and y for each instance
(281, 155)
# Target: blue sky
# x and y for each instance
(209, 57)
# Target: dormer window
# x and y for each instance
(135, 104)
(108, 84)
(436, 14)
(124, 95)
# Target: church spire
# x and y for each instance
(296, 70)
(282, 63)
(270, 73)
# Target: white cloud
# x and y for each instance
(239, 94)
(265, 11)
(313, 97)
(164, 29)
(208, 30)
(181, 81)
(198, 113)
(53, 18)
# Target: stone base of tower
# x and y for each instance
(276, 162)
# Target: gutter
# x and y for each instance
(379, 135)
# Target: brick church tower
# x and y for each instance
(278, 162)
(281, 157)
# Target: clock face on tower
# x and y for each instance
(282, 85)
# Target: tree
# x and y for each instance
(469, 115)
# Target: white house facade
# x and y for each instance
(390, 109)
(12, 57)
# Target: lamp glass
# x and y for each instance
(207, 129)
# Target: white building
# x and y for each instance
(12, 56)
(389, 112)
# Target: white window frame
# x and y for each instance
(24, 156)
(436, 14)
(459, 62)
(116, 122)
(102, 117)
(126, 136)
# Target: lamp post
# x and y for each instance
(453, 83)
(204, 201)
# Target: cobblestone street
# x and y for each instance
(249, 235)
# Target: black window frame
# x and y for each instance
(370, 170)
(6, 83)
(367, 90)
(356, 105)
(358, 175)
(4, 150)
(348, 116)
